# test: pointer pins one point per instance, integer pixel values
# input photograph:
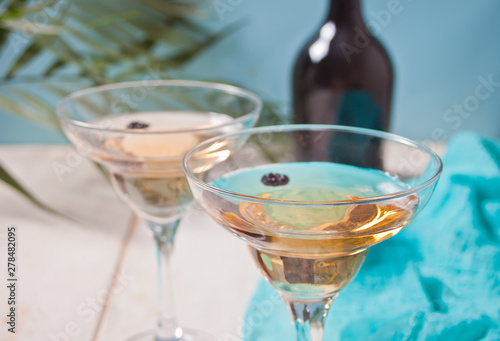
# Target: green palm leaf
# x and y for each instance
(92, 42)
(6, 178)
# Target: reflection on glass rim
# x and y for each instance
(313, 127)
(62, 113)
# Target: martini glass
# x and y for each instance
(138, 132)
(309, 218)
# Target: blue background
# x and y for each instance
(440, 49)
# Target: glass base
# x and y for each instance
(188, 334)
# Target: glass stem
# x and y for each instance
(167, 328)
(308, 316)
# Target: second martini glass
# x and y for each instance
(139, 132)
(306, 212)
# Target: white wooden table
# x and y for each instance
(65, 269)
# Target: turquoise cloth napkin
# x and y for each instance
(438, 279)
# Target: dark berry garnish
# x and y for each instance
(137, 125)
(272, 179)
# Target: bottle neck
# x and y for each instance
(345, 12)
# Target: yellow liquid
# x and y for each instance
(145, 168)
(310, 251)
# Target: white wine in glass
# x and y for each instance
(139, 132)
(308, 218)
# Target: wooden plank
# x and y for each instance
(64, 267)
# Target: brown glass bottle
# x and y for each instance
(344, 76)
